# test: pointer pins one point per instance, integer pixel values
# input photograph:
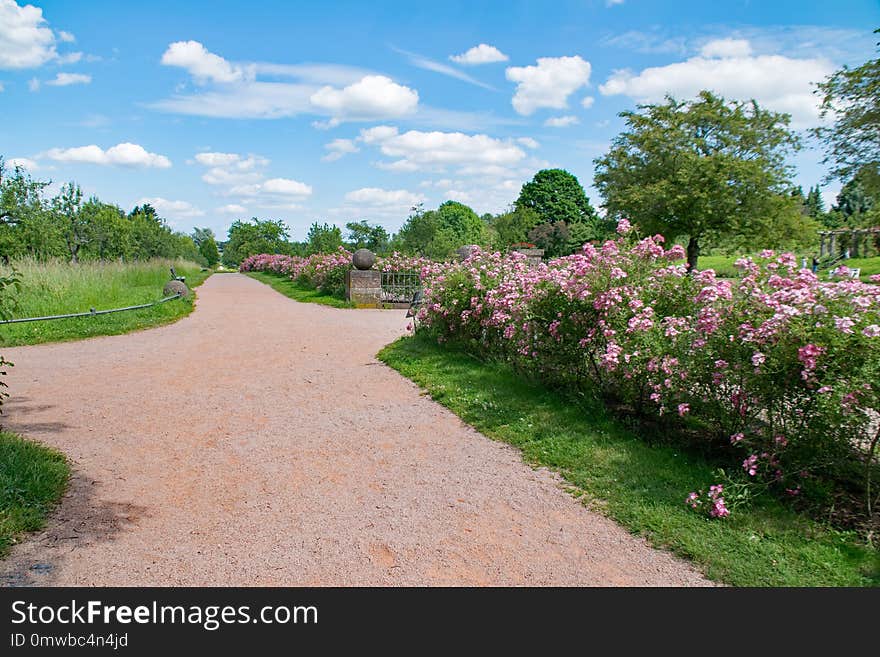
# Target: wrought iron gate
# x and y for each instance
(400, 286)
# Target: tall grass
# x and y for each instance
(58, 287)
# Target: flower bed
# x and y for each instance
(776, 372)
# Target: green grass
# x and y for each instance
(723, 266)
(641, 486)
(57, 288)
(297, 292)
(32, 480)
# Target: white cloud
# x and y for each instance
(172, 209)
(231, 169)
(124, 154)
(286, 187)
(613, 3)
(66, 79)
(202, 64)
(726, 48)
(549, 83)
(444, 69)
(25, 39)
(23, 162)
(339, 148)
(561, 121)
(217, 159)
(70, 58)
(372, 97)
(375, 196)
(587, 102)
(34, 84)
(417, 150)
(779, 83)
(528, 142)
(481, 54)
(232, 208)
(66, 37)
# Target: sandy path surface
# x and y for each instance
(259, 442)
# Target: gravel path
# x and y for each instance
(259, 442)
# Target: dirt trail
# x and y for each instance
(259, 442)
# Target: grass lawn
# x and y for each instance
(723, 266)
(297, 292)
(641, 486)
(32, 480)
(57, 288)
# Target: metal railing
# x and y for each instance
(400, 286)
(92, 312)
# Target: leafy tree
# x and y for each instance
(512, 227)
(247, 238)
(851, 97)
(552, 237)
(461, 224)
(438, 233)
(814, 203)
(556, 195)
(199, 235)
(109, 232)
(702, 169)
(208, 250)
(362, 235)
(856, 196)
(68, 208)
(323, 238)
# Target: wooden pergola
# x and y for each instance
(828, 239)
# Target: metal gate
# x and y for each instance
(400, 286)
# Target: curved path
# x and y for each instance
(259, 442)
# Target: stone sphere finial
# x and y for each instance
(465, 252)
(175, 287)
(363, 259)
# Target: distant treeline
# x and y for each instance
(70, 226)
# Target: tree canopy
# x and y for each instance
(247, 238)
(556, 195)
(851, 98)
(702, 169)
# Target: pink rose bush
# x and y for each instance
(321, 271)
(777, 368)
(326, 271)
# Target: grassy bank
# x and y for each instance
(641, 486)
(297, 292)
(56, 288)
(32, 480)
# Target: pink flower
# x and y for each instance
(750, 465)
(758, 359)
(735, 438)
(844, 324)
(872, 331)
(623, 227)
(683, 409)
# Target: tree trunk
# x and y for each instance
(693, 252)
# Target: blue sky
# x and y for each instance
(304, 111)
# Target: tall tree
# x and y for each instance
(851, 97)
(324, 238)
(199, 235)
(699, 169)
(208, 250)
(814, 203)
(68, 207)
(556, 195)
(362, 235)
(247, 238)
